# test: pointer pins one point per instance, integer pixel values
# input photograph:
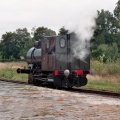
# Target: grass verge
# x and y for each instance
(105, 84)
(13, 75)
(107, 76)
(8, 71)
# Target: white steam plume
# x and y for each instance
(84, 31)
(84, 27)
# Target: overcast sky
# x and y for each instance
(49, 13)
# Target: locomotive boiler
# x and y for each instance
(52, 60)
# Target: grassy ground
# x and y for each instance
(8, 71)
(106, 78)
(104, 83)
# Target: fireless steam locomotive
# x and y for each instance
(52, 60)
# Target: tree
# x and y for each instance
(14, 44)
(25, 41)
(106, 28)
(8, 44)
(117, 16)
(63, 31)
(117, 11)
(43, 31)
(106, 52)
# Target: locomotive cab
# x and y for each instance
(52, 60)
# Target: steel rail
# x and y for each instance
(78, 90)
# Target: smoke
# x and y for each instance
(83, 27)
(83, 24)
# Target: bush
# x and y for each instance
(102, 69)
(106, 53)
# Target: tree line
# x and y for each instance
(106, 38)
(14, 45)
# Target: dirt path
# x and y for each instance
(25, 102)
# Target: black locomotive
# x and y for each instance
(52, 60)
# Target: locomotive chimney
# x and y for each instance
(68, 36)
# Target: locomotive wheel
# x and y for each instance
(36, 82)
(58, 82)
(70, 87)
(83, 80)
(30, 78)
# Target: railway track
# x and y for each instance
(78, 90)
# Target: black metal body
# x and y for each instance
(56, 58)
